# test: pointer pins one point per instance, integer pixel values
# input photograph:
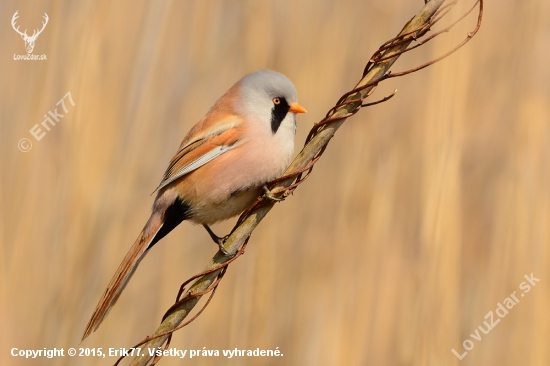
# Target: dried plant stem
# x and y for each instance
(376, 71)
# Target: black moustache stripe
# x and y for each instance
(278, 113)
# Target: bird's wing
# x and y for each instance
(197, 149)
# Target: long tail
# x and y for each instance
(145, 240)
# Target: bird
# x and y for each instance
(221, 167)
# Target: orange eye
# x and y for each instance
(276, 101)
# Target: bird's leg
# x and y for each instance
(270, 195)
(218, 240)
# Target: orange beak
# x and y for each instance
(296, 108)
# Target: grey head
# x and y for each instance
(270, 97)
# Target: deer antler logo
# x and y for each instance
(29, 41)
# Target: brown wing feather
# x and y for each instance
(173, 167)
(227, 132)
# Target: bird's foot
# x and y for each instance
(220, 246)
(218, 240)
(270, 195)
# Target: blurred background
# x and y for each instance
(424, 213)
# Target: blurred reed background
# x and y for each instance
(424, 213)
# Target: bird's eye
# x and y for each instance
(276, 101)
